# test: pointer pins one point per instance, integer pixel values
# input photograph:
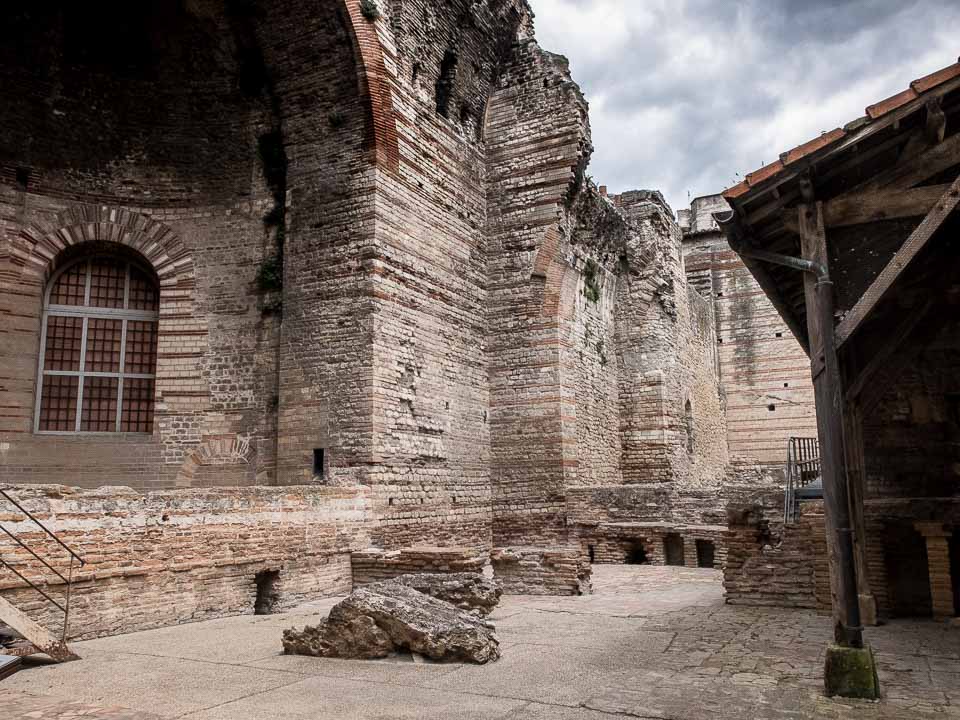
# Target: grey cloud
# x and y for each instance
(687, 94)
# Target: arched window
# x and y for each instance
(99, 348)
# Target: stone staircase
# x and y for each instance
(21, 635)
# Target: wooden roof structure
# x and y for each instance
(886, 184)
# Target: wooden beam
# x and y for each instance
(813, 246)
(915, 170)
(901, 260)
(874, 205)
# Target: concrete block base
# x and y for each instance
(851, 673)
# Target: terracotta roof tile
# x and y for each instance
(791, 156)
(937, 78)
(736, 191)
(767, 171)
(891, 103)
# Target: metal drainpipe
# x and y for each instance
(835, 487)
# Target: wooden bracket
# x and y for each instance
(898, 263)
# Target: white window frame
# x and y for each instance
(87, 313)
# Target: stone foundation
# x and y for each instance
(373, 565)
(539, 571)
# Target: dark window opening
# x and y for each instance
(448, 71)
(673, 549)
(786, 384)
(390, 502)
(705, 554)
(688, 426)
(591, 553)
(318, 462)
(771, 408)
(908, 578)
(780, 335)
(23, 178)
(637, 554)
(268, 595)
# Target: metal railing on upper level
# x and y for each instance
(803, 471)
(75, 562)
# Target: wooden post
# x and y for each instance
(856, 484)
(829, 400)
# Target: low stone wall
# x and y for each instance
(783, 566)
(541, 571)
(622, 543)
(169, 557)
(373, 565)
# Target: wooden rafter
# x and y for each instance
(915, 170)
(901, 260)
(873, 205)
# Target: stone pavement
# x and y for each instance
(652, 643)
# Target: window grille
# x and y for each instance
(99, 349)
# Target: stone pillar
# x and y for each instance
(938, 565)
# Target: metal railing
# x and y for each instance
(75, 561)
(803, 469)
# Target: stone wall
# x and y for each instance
(775, 565)
(764, 372)
(167, 557)
(372, 565)
(541, 571)
(674, 429)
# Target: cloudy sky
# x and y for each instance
(686, 94)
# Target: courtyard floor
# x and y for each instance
(654, 643)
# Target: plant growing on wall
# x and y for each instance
(369, 9)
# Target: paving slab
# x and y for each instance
(654, 643)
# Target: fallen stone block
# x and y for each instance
(467, 591)
(389, 617)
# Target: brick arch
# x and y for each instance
(39, 246)
(225, 450)
(374, 85)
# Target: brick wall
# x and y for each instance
(373, 565)
(764, 373)
(167, 557)
(775, 565)
(541, 571)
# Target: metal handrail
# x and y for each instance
(43, 527)
(12, 569)
(803, 467)
(68, 580)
